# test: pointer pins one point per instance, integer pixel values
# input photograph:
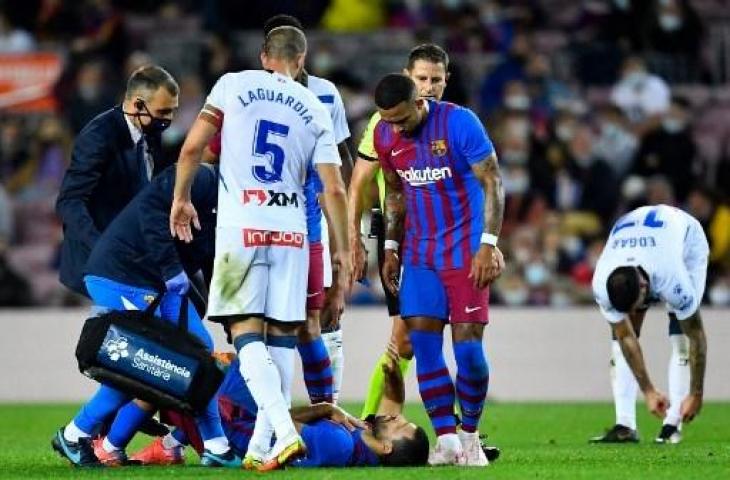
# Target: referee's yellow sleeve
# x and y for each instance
(366, 148)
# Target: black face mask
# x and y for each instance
(156, 125)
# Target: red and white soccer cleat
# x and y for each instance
(156, 454)
(117, 458)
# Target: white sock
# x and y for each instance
(450, 442)
(72, 433)
(260, 442)
(284, 358)
(625, 388)
(108, 446)
(333, 342)
(678, 378)
(169, 442)
(263, 380)
(217, 445)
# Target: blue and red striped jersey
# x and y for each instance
(444, 199)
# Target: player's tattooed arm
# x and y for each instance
(656, 402)
(395, 206)
(692, 327)
(488, 174)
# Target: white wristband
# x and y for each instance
(391, 245)
(489, 239)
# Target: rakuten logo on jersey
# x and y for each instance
(269, 198)
(267, 238)
(426, 176)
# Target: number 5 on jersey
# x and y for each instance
(271, 152)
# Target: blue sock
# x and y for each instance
(434, 381)
(472, 382)
(317, 370)
(179, 435)
(105, 402)
(126, 424)
(209, 421)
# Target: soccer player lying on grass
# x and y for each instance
(332, 436)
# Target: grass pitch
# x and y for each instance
(538, 441)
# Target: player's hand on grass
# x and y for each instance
(657, 403)
(391, 270)
(182, 214)
(691, 406)
(340, 416)
(359, 255)
(485, 266)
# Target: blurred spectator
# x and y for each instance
(616, 144)
(349, 16)
(512, 67)
(13, 147)
(90, 95)
(217, 58)
(675, 32)
(14, 39)
(56, 21)
(715, 219)
(14, 289)
(643, 97)
(102, 32)
(588, 183)
(670, 149)
(6, 219)
(659, 191)
(192, 98)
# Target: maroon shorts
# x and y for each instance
(315, 281)
(449, 295)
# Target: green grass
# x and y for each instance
(538, 441)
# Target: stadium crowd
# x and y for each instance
(594, 107)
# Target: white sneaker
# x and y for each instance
(448, 451)
(473, 454)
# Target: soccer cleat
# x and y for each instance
(492, 453)
(669, 434)
(443, 455)
(117, 458)
(228, 459)
(80, 454)
(284, 452)
(474, 455)
(617, 434)
(156, 454)
(252, 462)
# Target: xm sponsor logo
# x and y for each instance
(269, 198)
(424, 176)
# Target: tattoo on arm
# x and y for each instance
(487, 171)
(395, 207)
(632, 353)
(692, 327)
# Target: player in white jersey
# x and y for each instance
(274, 128)
(656, 254)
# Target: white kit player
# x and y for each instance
(654, 254)
(274, 129)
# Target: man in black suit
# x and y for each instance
(113, 158)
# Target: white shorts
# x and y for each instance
(259, 273)
(326, 258)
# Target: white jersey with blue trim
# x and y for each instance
(327, 93)
(273, 129)
(669, 245)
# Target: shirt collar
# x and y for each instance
(135, 132)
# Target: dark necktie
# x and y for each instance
(142, 162)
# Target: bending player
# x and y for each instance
(333, 437)
(444, 202)
(656, 254)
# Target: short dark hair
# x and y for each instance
(285, 42)
(393, 89)
(429, 52)
(282, 20)
(408, 452)
(681, 101)
(151, 78)
(623, 288)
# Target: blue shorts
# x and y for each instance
(112, 295)
(448, 295)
